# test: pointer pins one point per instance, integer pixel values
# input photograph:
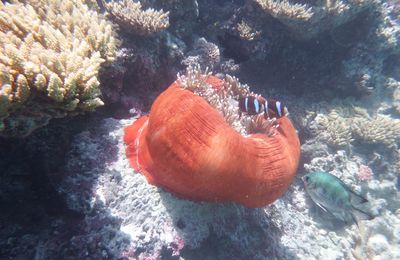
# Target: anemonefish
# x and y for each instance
(253, 105)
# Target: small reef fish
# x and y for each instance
(253, 105)
(332, 195)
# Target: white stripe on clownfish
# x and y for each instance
(256, 105)
(266, 108)
(278, 108)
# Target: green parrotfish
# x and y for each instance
(333, 196)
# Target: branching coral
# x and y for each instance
(132, 18)
(380, 129)
(308, 19)
(246, 32)
(341, 126)
(50, 55)
(286, 10)
(204, 53)
(336, 128)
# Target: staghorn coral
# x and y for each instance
(133, 19)
(50, 55)
(308, 18)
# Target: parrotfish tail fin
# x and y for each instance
(358, 214)
(356, 199)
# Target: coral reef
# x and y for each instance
(306, 19)
(51, 52)
(341, 123)
(131, 17)
(367, 61)
(204, 54)
(335, 64)
(151, 222)
(382, 231)
(336, 129)
(383, 130)
(156, 223)
(207, 55)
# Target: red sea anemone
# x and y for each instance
(186, 147)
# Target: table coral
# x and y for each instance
(50, 55)
(132, 18)
(308, 18)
